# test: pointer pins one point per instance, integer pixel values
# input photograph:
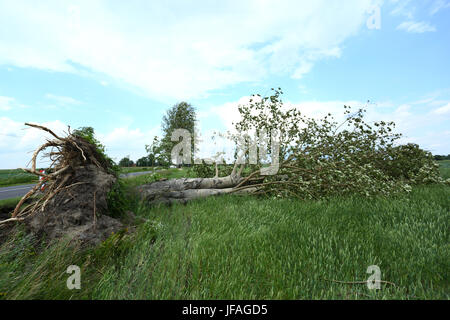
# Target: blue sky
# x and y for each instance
(117, 66)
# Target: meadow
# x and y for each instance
(11, 177)
(444, 166)
(135, 169)
(234, 247)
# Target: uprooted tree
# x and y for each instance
(72, 191)
(315, 158)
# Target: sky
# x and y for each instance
(119, 65)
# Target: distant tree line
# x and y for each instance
(441, 157)
(158, 157)
(126, 162)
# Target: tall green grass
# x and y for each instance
(444, 167)
(234, 247)
(444, 163)
(246, 248)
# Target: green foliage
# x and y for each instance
(118, 199)
(180, 116)
(126, 162)
(209, 170)
(412, 164)
(323, 158)
(88, 134)
(148, 161)
(157, 153)
(441, 157)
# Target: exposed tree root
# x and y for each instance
(71, 193)
(71, 152)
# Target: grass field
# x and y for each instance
(11, 177)
(444, 163)
(445, 168)
(8, 204)
(235, 247)
(135, 169)
(160, 174)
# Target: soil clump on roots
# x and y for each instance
(71, 198)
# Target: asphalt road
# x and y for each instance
(15, 191)
(20, 191)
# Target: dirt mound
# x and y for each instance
(77, 213)
(74, 201)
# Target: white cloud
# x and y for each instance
(436, 141)
(438, 5)
(124, 141)
(5, 103)
(443, 110)
(416, 27)
(304, 68)
(9, 103)
(403, 8)
(17, 142)
(172, 49)
(229, 112)
(62, 100)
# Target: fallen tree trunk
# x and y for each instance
(185, 189)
